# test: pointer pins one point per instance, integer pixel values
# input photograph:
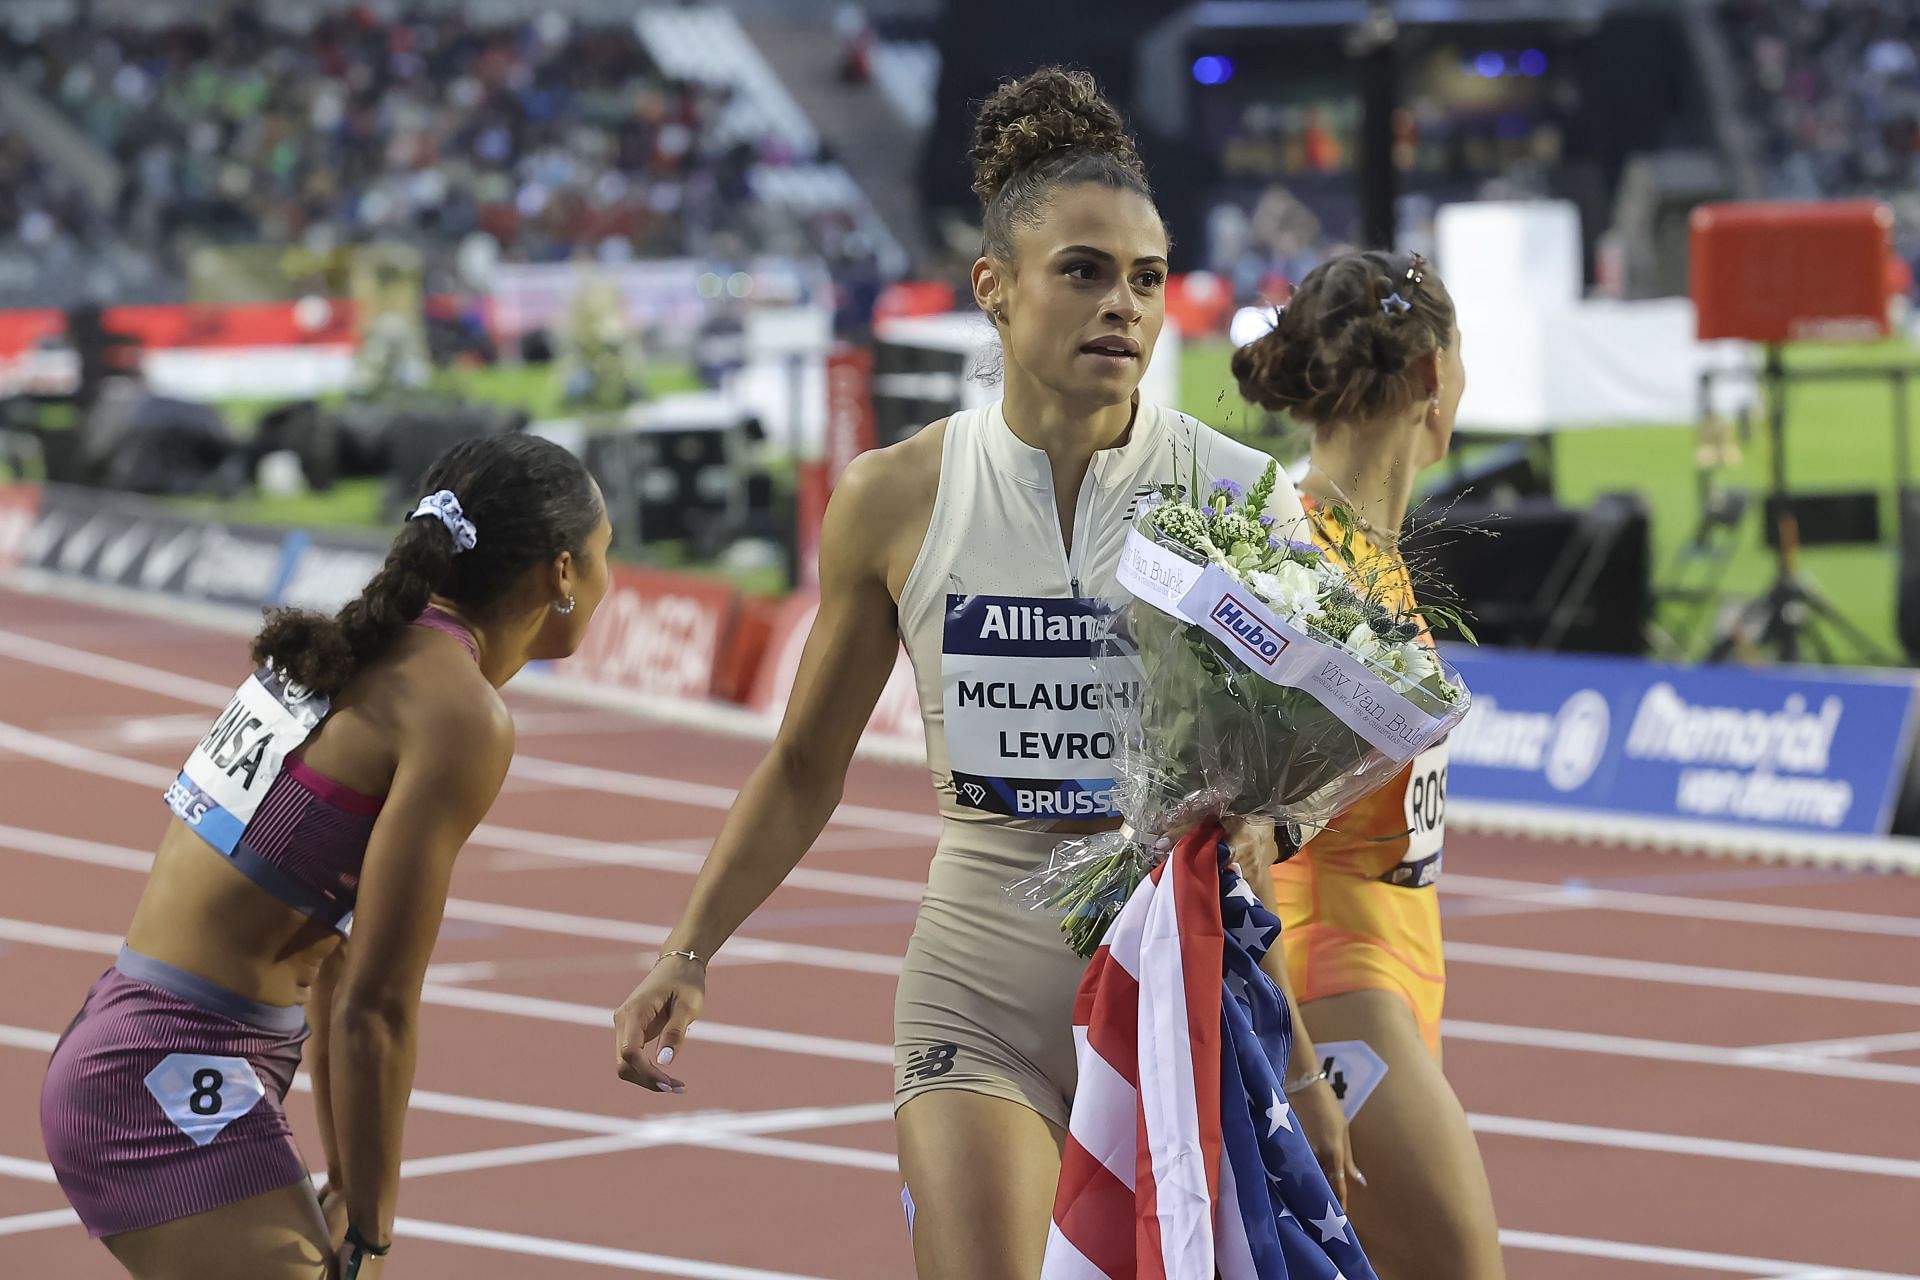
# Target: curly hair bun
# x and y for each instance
(1346, 345)
(1041, 115)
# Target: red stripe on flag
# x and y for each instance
(1108, 1006)
(1094, 1210)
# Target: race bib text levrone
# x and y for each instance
(229, 772)
(1029, 731)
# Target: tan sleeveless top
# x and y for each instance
(999, 617)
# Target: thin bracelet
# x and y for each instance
(685, 955)
(365, 1245)
(1296, 1085)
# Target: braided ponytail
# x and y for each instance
(525, 501)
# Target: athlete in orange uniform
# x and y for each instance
(1368, 354)
(1359, 904)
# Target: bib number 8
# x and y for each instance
(205, 1100)
(202, 1094)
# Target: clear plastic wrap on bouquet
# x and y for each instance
(1222, 707)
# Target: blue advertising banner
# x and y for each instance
(1811, 749)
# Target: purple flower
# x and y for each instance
(1229, 488)
(1274, 544)
(1267, 522)
(1304, 549)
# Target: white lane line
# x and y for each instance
(499, 914)
(47, 1220)
(1847, 1046)
(592, 1015)
(569, 1251)
(1618, 1251)
(579, 777)
(1457, 1029)
(1682, 906)
(1685, 975)
(585, 1015)
(26, 1170)
(652, 1264)
(1681, 1145)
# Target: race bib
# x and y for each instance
(231, 769)
(203, 1094)
(1029, 734)
(1426, 814)
(1354, 1071)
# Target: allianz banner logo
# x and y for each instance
(1715, 744)
(1252, 634)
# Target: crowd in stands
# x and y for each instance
(1831, 90)
(553, 139)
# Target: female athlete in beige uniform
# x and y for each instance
(984, 543)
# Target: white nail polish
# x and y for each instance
(666, 1055)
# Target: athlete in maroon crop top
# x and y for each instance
(161, 1111)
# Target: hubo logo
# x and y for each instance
(1565, 747)
(1248, 630)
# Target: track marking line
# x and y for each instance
(1847, 1046)
(1685, 907)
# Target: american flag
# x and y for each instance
(1183, 1159)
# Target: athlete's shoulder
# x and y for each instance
(897, 478)
(445, 698)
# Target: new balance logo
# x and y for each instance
(932, 1062)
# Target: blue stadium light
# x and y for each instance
(1490, 64)
(1212, 70)
(1533, 63)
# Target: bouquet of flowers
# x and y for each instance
(1251, 677)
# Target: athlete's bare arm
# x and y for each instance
(874, 526)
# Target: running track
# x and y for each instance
(1678, 1067)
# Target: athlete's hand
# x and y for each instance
(1254, 849)
(661, 1008)
(333, 1207)
(1325, 1127)
(343, 1265)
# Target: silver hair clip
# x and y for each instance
(1393, 304)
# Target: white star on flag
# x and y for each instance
(1334, 1224)
(1277, 1117)
(1239, 986)
(1244, 891)
(1249, 934)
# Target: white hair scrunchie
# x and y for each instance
(445, 508)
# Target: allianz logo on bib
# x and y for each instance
(1252, 634)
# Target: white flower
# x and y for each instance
(1416, 660)
(1292, 589)
(1234, 527)
(1363, 642)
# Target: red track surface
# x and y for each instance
(1593, 1038)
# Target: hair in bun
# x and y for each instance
(1046, 129)
(1348, 339)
